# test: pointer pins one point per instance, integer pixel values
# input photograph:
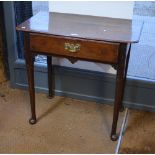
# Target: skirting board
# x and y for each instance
(88, 85)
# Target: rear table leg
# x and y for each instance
(49, 66)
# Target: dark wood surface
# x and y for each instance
(101, 40)
(84, 26)
(89, 50)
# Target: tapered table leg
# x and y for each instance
(30, 74)
(125, 76)
(49, 66)
(119, 90)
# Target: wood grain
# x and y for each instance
(89, 50)
(101, 40)
(85, 27)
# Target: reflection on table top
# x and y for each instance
(84, 26)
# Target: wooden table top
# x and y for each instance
(84, 26)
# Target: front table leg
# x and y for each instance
(30, 73)
(119, 90)
(125, 74)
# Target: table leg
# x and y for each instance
(49, 66)
(119, 90)
(30, 73)
(125, 75)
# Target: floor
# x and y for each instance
(139, 136)
(67, 125)
(64, 125)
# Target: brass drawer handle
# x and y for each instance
(72, 47)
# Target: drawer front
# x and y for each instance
(76, 48)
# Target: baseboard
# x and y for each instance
(90, 85)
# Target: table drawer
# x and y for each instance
(76, 48)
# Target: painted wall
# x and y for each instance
(2, 72)
(2, 69)
(114, 9)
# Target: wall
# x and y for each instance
(144, 8)
(114, 9)
(2, 72)
(108, 9)
(2, 75)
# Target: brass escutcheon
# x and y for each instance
(72, 47)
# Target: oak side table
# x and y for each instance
(80, 37)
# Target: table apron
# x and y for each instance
(90, 50)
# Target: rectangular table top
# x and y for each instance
(84, 26)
